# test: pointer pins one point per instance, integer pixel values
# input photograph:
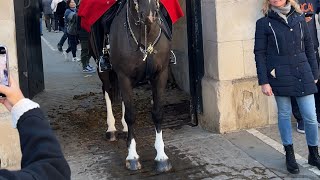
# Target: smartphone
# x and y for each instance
(4, 67)
(308, 14)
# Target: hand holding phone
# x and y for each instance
(4, 67)
(13, 94)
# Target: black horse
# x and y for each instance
(139, 50)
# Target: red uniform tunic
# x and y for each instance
(91, 10)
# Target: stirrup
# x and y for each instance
(173, 58)
(103, 66)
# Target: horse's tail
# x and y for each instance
(110, 85)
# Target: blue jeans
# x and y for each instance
(308, 112)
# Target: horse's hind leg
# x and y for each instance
(111, 131)
(132, 160)
(158, 86)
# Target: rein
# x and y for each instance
(148, 49)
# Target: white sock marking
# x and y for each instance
(123, 121)
(110, 117)
(159, 145)
(132, 151)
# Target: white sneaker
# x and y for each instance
(65, 55)
(87, 70)
(76, 59)
(90, 68)
(300, 127)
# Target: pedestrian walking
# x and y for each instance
(54, 5)
(61, 9)
(48, 14)
(287, 67)
(309, 8)
(71, 22)
(86, 53)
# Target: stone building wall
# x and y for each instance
(231, 95)
(10, 154)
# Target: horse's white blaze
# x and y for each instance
(110, 117)
(150, 17)
(132, 151)
(159, 145)
(123, 121)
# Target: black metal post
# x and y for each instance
(30, 65)
(196, 58)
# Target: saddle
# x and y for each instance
(102, 26)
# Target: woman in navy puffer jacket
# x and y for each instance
(287, 67)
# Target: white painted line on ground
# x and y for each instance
(48, 44)
(51, 47)
(279, 147)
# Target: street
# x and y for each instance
(74, 104)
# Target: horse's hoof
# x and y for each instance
(133, 165)
(111, 136)
(163, 166)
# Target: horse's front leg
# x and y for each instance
(158, 86)
(123, 121)
(132, 160)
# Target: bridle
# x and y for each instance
(146, 49)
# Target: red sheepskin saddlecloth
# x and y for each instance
(91, 10)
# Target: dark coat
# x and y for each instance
(46, 5)
(311, 7)
(61, 9)
(284, 55)
(42, 158)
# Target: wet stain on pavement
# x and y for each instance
(81, 126)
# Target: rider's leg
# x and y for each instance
(166, 16)
(104, 61)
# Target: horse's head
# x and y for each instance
(148, 10)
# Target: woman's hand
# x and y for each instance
(267, 90)
(13, 94)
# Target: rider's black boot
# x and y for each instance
(104, 61)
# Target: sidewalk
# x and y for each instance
(194, 153)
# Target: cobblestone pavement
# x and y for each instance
(75, 107)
